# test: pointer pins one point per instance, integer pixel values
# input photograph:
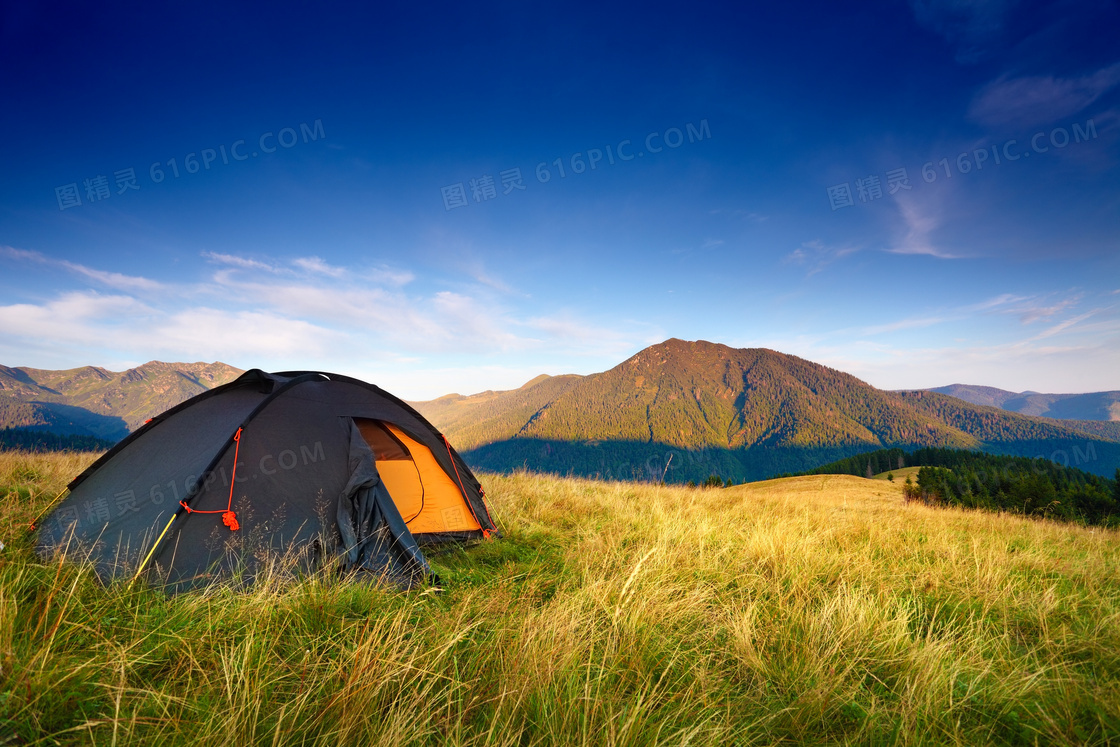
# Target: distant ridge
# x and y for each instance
(681, 409)
(1089, 406)
(92, 401)
(750, 413)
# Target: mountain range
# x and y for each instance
(1091, 406)
(689, 409)
(678, 410)
(92, 401)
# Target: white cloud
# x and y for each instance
(318, 266)
(912, 323)
(239, 262)
(816, 255)
(236, 335)
(79, 318)
(993, 303)
(21, 254)
(920, 220)
(1035, 309)
(1036, 100)
(114, 279)
(476, 271)
(111, 279)
(1062, 326)
(473, 322)
(565, 331)
(387, 276)
(304, 314)
(1079, 353)
(1028, 309)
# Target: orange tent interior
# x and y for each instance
(428, 499)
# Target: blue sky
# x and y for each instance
(347, 195)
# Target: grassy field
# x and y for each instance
(814, 610)
(900, 475)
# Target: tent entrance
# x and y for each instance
(427, 498)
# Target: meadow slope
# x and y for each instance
(811, 610)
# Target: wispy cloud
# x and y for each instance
(386, 276)
(481, 275)
(815, 255)
(301, 313)
(1028, 308)
(920, 218)
(996, 302)
(748, 215)
(1036, 100)
(243, 263)
(1075, 355)
(1063, 326)
(1041, 309)
(308, 266)
(911, 323)
(114, 280)
(971, 27)
(319, 267)
(568, 330)
(90, 321)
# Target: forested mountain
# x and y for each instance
(491, 416)
(1091, 406)
(92, 401)
(678, 410)
(739, 413)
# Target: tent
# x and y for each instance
(315, 466)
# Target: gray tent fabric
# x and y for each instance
(374, 535)
(115, 516)
(281, 452)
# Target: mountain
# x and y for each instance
(689, 409)
(490, 416)
(1091, 406)
(92, 401)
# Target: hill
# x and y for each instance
(972, 479)
(92, 401)
(1090, 406)
(690, 409)
(812, 610)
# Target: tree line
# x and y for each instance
(26, 439)
(971, 479)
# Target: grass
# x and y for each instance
(811, 610)
(900, 475)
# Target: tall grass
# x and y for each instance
(810, 610)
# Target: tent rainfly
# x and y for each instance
(320, 465)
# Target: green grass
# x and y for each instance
(812, 610)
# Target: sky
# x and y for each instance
(453, 197)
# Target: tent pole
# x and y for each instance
(45, 511)
(155, 546)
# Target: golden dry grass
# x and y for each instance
(900, 475)
(815, 610)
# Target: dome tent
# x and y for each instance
(316, 464)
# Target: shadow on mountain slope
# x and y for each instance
(649, 461)
(73, 420)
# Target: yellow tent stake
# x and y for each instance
(155, 546)
(47, 510)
